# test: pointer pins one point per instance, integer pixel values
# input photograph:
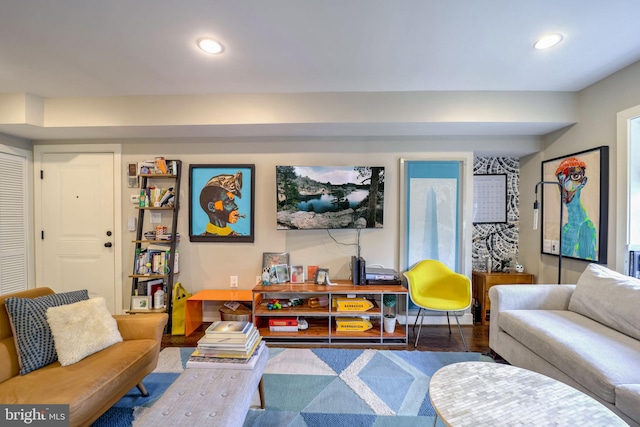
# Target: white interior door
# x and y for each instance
(77, 225)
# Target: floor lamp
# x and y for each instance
(536, 207)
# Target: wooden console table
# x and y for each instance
(322, 320)
(482, 281)
(193, 309)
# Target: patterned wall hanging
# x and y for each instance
(499, 241)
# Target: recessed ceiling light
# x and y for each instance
(210, 45)
(548, 41)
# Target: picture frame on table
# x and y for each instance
(322, 276)
(282, 272)
(140, 302)
(584, 179)
(312, 270)
(271, 259)
(221, 203)
(297, 274)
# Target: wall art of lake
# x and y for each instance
(323, 203)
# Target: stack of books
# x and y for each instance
(228, 344)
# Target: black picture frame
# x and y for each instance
(585, 205)
(216, 191)
(322, 276)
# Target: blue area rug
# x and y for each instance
(320, 387)
(346, 387)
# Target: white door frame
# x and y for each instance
(116, 150)
(28, 155)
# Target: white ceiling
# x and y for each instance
(90, 48)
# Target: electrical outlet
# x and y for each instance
(135, 199)
(234, 281)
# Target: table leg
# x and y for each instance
(193, 316)
(261, 392)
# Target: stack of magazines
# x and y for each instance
(228, 344)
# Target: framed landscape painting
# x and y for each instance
(584, 180)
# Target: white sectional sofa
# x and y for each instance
(586, 335)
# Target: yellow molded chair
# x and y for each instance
(433, 286)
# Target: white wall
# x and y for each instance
(14, 141)
(209, 265)
(597, 109)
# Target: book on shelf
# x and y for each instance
(198, 360)
(229, 329)
(283, 321)
(160, 165)
(224, 353)
(283, 328)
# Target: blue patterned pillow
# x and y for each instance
(31, 331)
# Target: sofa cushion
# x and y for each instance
(597, 357)
(31, 331)
(81, 329)
(608, 297)
(628, 400)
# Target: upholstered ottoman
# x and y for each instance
(204, 396)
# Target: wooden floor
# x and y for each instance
(432, 338)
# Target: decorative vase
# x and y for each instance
(389, 324)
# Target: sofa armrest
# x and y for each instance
(142, 326)
(525, 297)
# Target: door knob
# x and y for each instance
(108, 245)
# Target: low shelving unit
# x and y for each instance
(322, 320)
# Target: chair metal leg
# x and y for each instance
(449, 322)
(419, 328)
(414, 323)
(460, 330)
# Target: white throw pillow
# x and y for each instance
(81, 329)
(608, 297)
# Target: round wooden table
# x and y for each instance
(493, 394)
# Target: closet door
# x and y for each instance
(14, 223)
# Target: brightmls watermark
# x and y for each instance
(34, 415)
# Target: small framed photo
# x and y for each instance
(282, 273)
(140, 302)
(297, 274)
(311, 273)
(322, 276)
